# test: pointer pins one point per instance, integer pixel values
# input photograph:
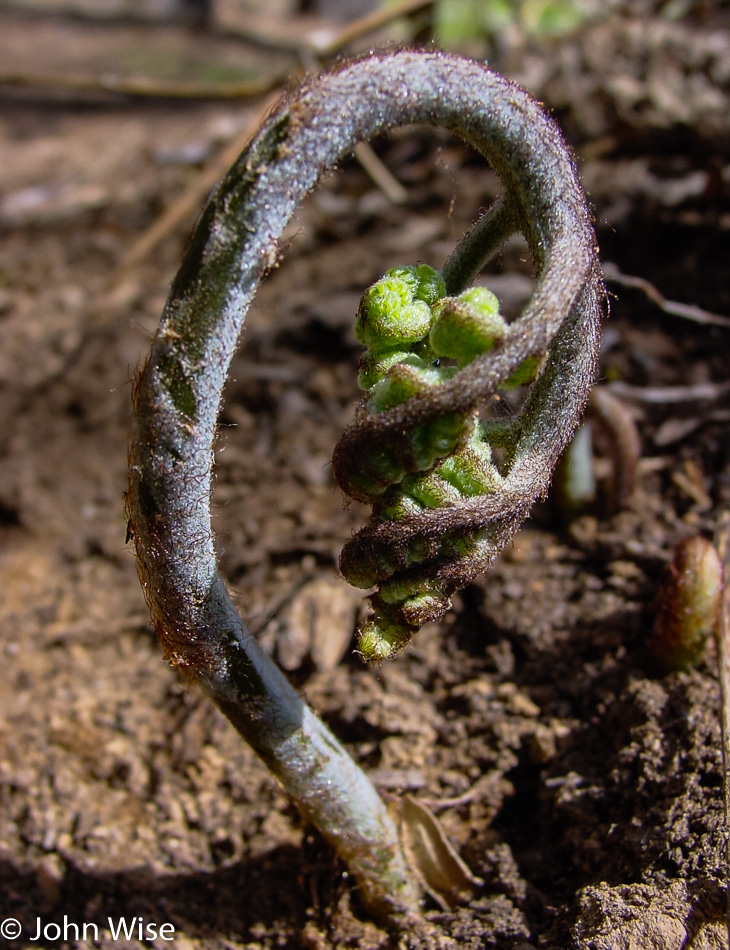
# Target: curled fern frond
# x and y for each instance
(419, 339)
(419, 449)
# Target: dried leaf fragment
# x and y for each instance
(318, 624)
(441, 872)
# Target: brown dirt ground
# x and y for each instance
(588, 788)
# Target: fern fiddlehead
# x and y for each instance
(420, 450)
(404, 439)
(417, 339)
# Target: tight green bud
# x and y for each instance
(471, 471)
(431, 286)
(382, 638)
(467, 326)
(438, 438)
(374, 367)
(403, 380)
(391, 315)
(430, 491)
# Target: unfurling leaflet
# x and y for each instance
(418, 338)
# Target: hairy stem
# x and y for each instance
(477, 246)
(179, 394)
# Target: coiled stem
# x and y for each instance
(180, 388)
(418, 450)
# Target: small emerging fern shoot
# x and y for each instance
(418, 338)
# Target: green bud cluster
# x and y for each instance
(417, 338)
(401, 606)
(394, 321)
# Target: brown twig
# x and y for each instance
(369, 24)
(142, 86)
(188, 203)
(380, 174)
(686, 311)
(323, 40)
(662, 395)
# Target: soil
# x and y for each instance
(580, 784)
